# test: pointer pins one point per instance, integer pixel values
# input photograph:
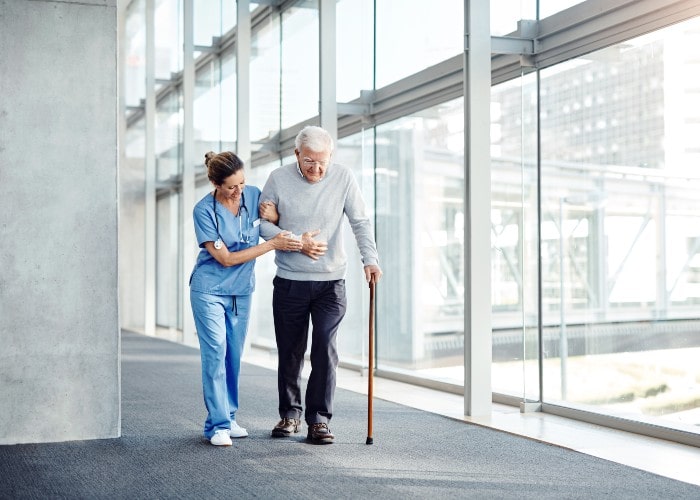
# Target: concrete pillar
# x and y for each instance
(59, 328)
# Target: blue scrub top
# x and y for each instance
(237, 233)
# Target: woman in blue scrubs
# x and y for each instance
(226, 224)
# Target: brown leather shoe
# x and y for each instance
(286, 427)
(320, 434)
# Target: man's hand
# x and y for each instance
(372, 274)
(312, 248)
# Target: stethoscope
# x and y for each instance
(245, 238)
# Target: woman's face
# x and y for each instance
(232, 187)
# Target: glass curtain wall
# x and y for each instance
(621, 228)
(595, 246)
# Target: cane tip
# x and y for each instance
(370, 440)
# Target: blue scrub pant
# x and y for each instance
(222, 323)
(293, 304)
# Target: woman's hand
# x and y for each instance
(284, 241)
(268, 211)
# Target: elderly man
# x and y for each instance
(311, 196)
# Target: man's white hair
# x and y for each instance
(314, 138)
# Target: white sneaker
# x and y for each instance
(221, 438)
(237, 431)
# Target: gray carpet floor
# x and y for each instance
(415, 454)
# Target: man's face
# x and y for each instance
(313, 164)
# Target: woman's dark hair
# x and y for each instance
(221, 165)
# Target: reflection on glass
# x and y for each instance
(621, 229)
(420, 229)
(355, 48)
(300, 92)
(415, 34)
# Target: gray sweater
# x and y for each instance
(303, 207)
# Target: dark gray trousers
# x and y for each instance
(294, 303)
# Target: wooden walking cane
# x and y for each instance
(370, 379)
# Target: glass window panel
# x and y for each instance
(621, 225)
(168, 38)
(357, 153)
(168, 137)
(228, 16)
(228, 102)
(514, 238)
(207, 111)
(132, 186)
(168, 273)
(262, 327)
(265, 81)
(300, 65)
(212, 18)
(415, 34)
(354, 47)
(135, 58)
(420, 229)
(202, 187)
